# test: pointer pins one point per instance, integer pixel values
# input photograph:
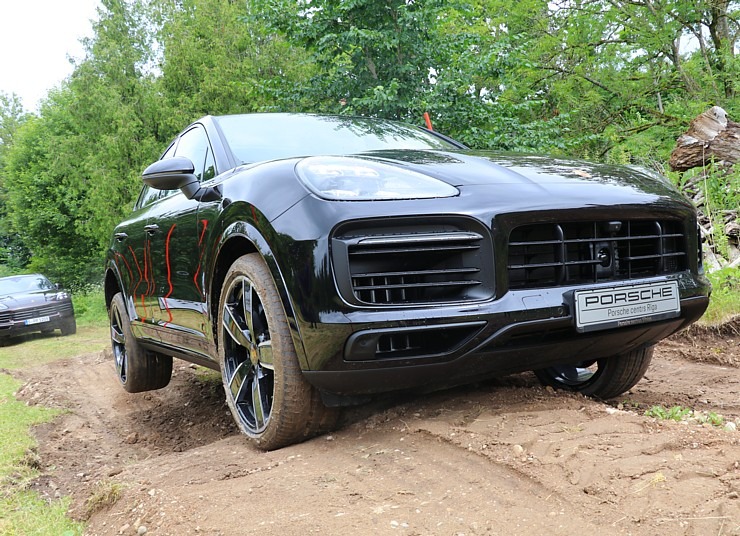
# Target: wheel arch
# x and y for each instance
(112, 284)
(240, 239)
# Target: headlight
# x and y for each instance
(351, 179)
(61, 296)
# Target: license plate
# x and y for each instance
(626, 305)
(39, 320)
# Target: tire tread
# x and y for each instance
(145, 370)
(298, 412)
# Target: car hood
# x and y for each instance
(544, 173)
(27, 299)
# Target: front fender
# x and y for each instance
(241, 238)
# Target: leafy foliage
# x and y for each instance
(601, 79)
(13, 254)
(725, 302)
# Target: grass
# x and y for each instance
(725, 301)
(36, 348)
(679, 413)
(21, 510)
(90, 308)
(105, 493)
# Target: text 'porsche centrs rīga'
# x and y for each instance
(318, 260)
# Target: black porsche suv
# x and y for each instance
(315, 260)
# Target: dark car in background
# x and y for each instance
(317, 260)
(31, 303)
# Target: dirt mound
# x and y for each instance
(501, 457)
(709, 344)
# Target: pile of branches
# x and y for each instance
(711, 140)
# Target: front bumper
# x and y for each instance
(16, 322)
(525, 330)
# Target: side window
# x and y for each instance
(194, 145)
(150, 195)
(209, 171)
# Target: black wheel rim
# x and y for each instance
(118, 341)
(576, 376)
(248, 363)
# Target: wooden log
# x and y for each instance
(712, 136)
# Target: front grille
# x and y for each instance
(404, 261)
(554, 254)
(415, 268)
(50, 309)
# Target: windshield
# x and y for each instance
(259, 137)
(24, 283)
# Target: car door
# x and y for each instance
(130, 252)
(173, 235)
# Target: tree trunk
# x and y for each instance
(711, 136)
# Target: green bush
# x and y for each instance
(90, 307)
(725, 300)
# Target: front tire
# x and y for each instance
(69, 327)
(602, 378)
(138, 369)
(270, 400)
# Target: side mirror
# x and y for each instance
(171, 174)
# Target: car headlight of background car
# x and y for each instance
(352, 179)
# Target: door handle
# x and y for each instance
(151, 228)
(120, 236)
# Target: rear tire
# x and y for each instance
(603, 378)
(138, 369)
(270, 400)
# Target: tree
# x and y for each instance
(622, 68)
(73, 171)
(217, 59)
(13, 254)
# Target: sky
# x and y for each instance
(36, 39)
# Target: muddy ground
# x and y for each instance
(503, 457)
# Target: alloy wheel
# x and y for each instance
(118, 340)
(248, 360)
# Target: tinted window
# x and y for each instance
(257, 137)
(150, 195)
(194, 145)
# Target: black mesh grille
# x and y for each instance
(423, 343)
(553, 254)
(42, 310)
(415, 268)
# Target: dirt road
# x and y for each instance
(506, 457)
